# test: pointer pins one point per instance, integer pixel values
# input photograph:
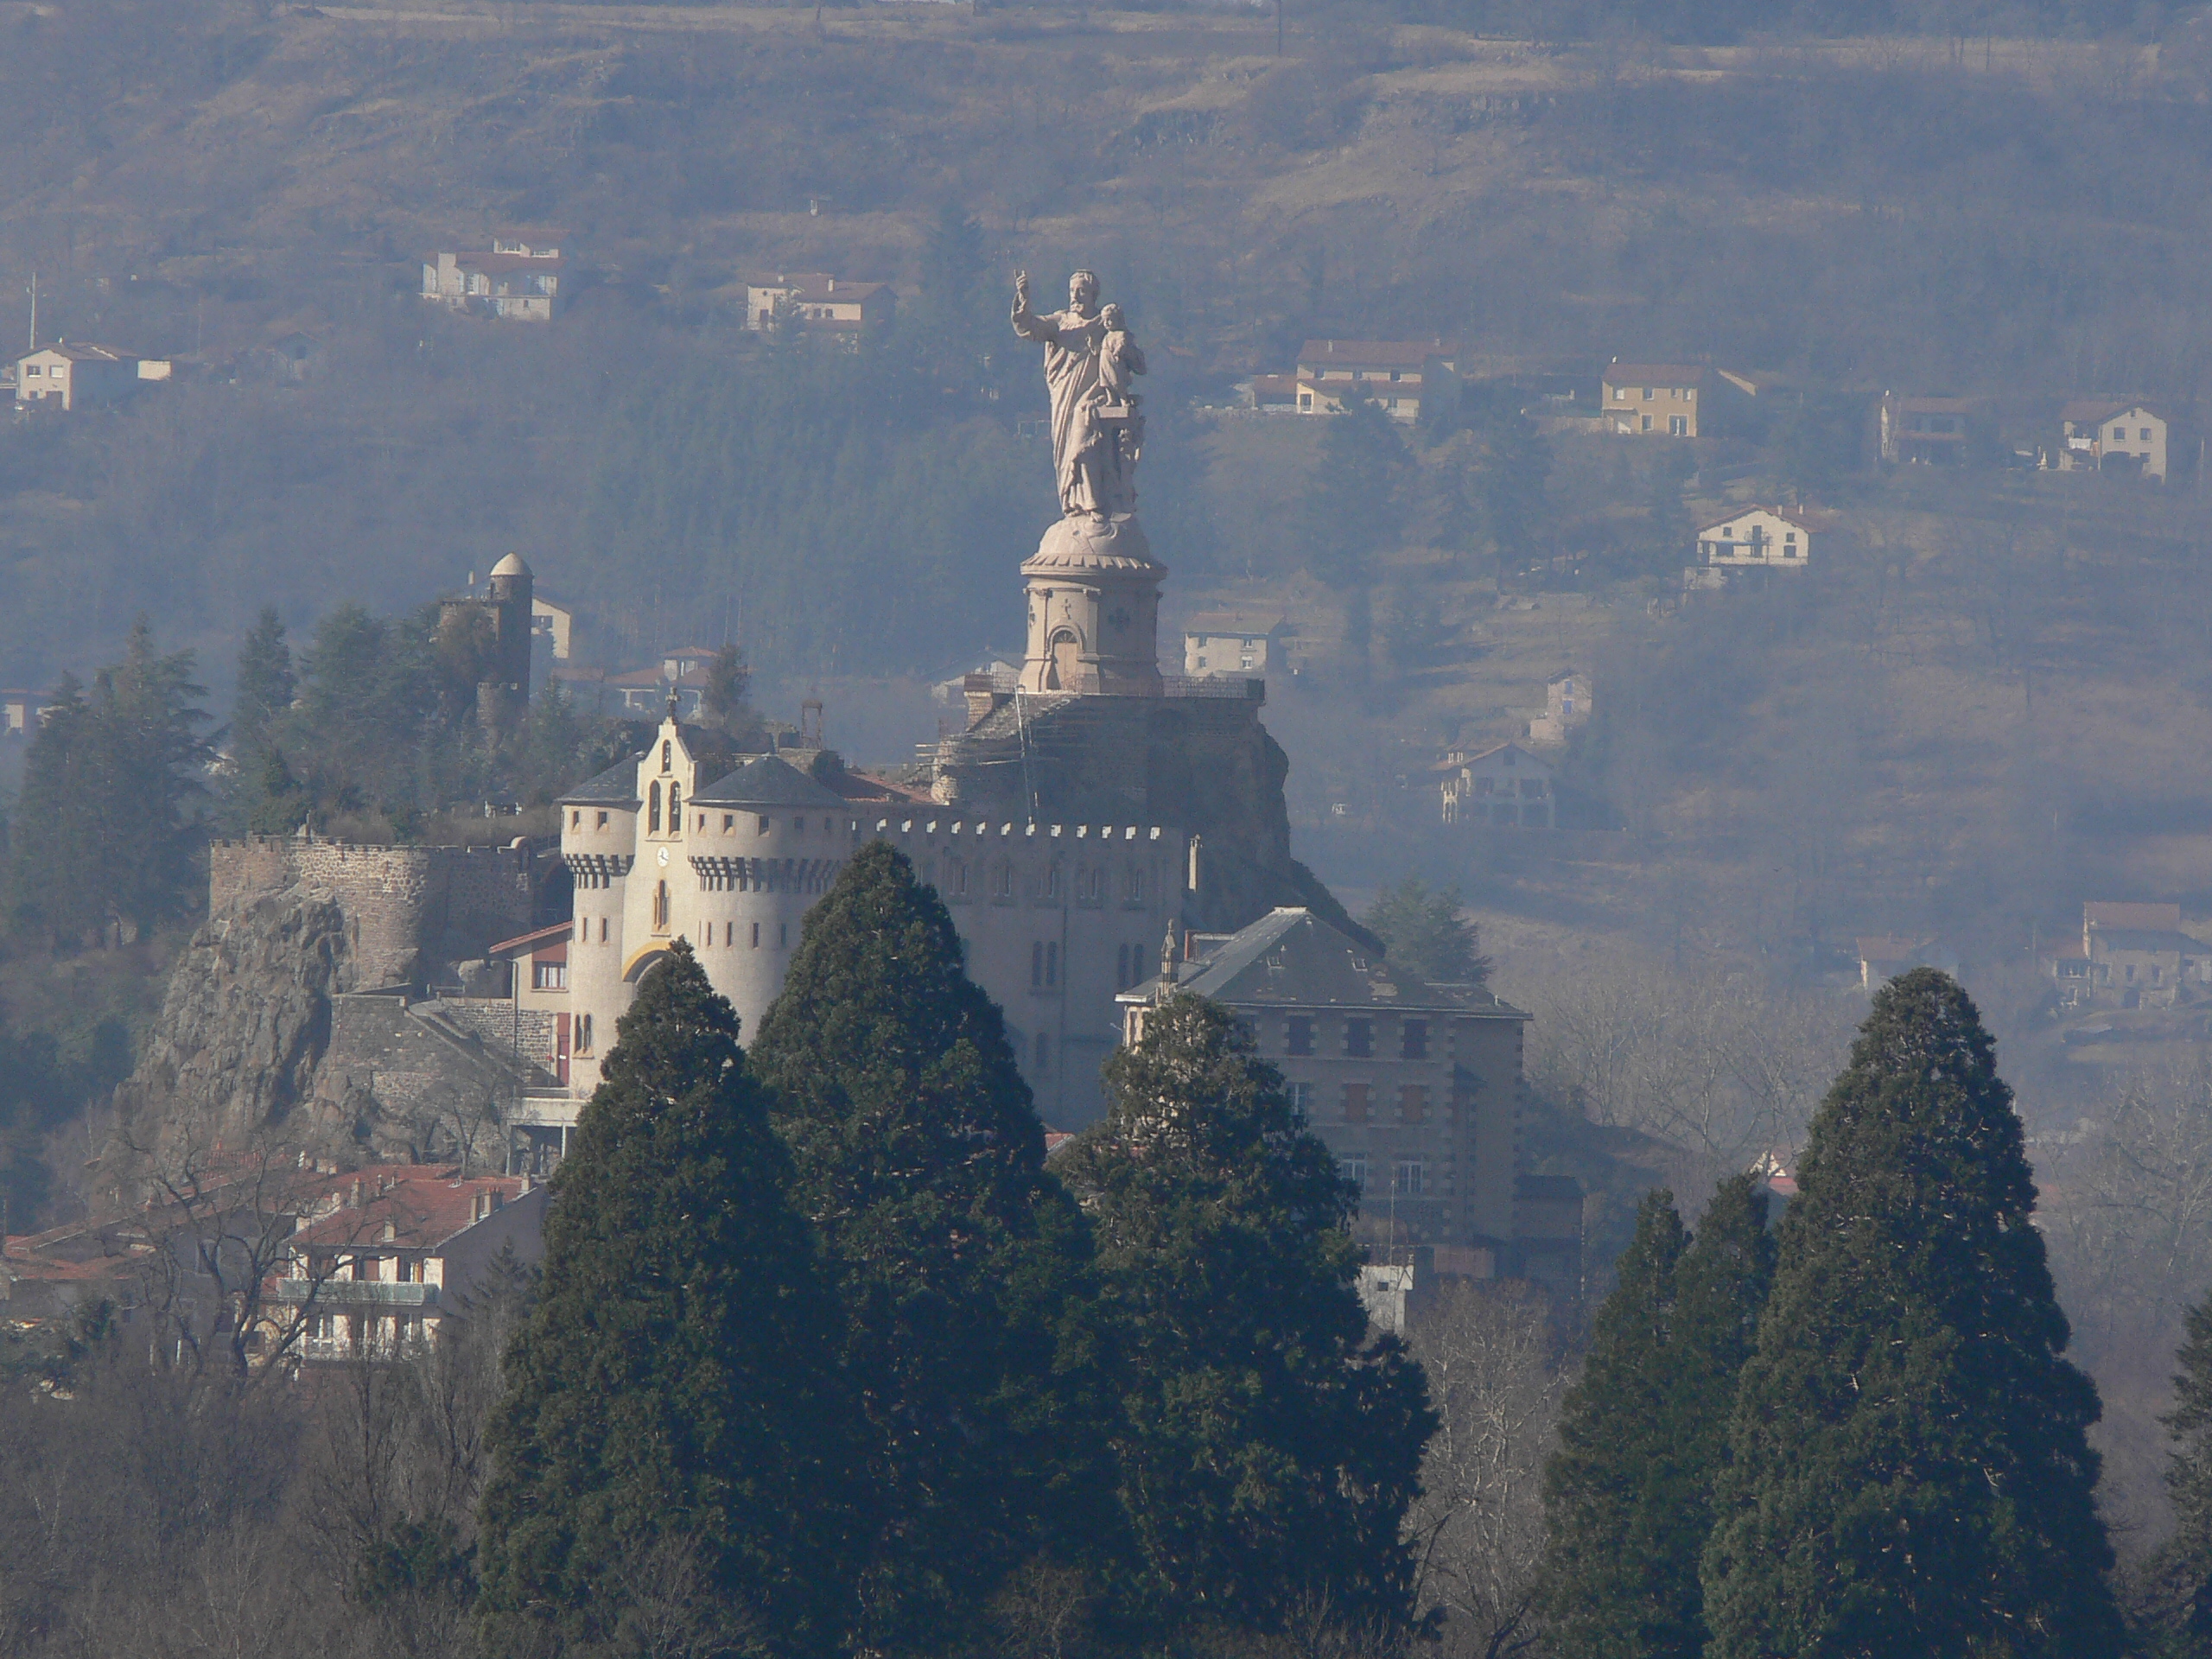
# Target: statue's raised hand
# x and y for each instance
(1020, 290)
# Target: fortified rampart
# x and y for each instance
(1197, 758)
(406, 908)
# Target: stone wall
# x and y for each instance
(1198, 759)
(406, 1084)
(407, 909)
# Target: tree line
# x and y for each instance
(1855, 1430)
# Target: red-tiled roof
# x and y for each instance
(1788, 515)
(2105, 912)
(425, 1205)
(522, 943)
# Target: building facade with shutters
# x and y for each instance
(1415, 1088)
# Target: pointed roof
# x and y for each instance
(1292, 956)
(767, 781)
(616, 786)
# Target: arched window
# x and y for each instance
(660, 908)
(652, 810)
(583, 1033)
(667, 756)
(675, 808)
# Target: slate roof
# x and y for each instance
(1291, 957)
(2152, 940)
(616, 786)
(767, 781)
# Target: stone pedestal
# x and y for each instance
(1094, 610)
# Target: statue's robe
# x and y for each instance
(1079, 452)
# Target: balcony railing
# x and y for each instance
(356, 1292)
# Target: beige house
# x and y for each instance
(818, 301)
(1567, 708)
(1236, 644)
(1396, 375)
(1504, 784)
(394, 1251)
(2104, 434)
(555, 625)
(1657, 400)
(1415, 1088)
(68, 377)
(2131, 956)
(1757, 538)
(519, 280)
(1932, 432)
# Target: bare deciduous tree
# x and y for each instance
(1491, 1356)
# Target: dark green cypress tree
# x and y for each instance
(266, 685)
(2179, 1582)
(1617, 1491)
(1268, 1449)
(672, 1414)
(1911, 1474)
(960, 1263)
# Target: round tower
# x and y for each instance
(1094, 609)
(509, 594)
(599, 845)
(764, 844)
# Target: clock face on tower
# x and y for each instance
(663, 857)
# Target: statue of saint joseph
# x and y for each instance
(1096, 431)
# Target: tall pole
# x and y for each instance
(1277, 28)
(33, 344)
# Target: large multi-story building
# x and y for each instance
(1415, 1088)
(1057, 917)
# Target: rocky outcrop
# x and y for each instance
(243, 1024)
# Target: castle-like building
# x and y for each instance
(1057, 917)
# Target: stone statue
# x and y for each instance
(1098, 433)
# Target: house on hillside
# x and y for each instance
(1504, 784)
(2130, 955)
(818, 302)
(64, 376)
(1236, 644)
(518, 279)
(1413, 1087)
(1396, 375)
(1567, 708)
(2115, 435)
(1934, 431)
(1756, 538)
(1662, 400)
(396, 1252)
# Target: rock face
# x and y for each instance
(245, 1023)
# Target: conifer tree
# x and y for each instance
(265, 685)
(1267, 1450)
(672, 1396)
(1911, 1472)
(959, 1262)
(2182, 1573)
(1644, 1435)
(1616, 1490)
